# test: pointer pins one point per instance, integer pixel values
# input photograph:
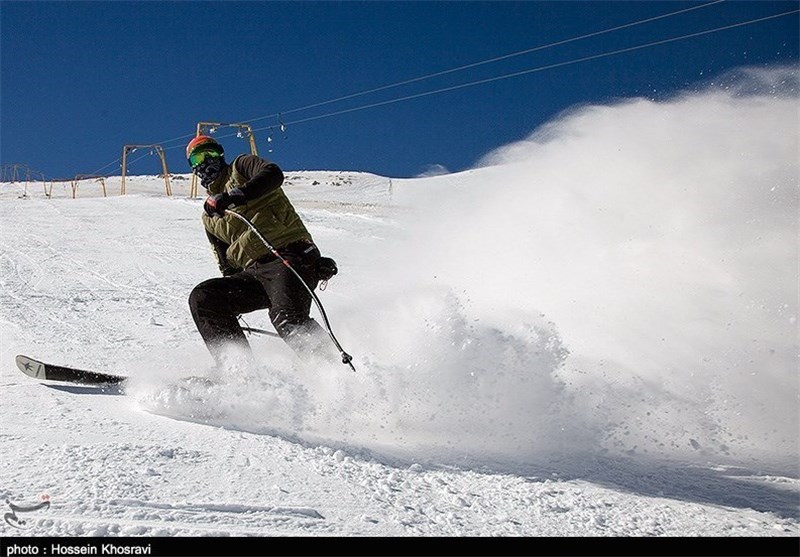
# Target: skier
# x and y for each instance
(253, 278)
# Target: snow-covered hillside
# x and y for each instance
(593, 333)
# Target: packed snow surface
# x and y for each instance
(591, 333)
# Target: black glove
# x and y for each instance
(326, 268)
(216, 205)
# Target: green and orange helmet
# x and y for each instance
(202, 147)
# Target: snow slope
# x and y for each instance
(592, 333)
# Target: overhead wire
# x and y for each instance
(486, 80)
(534, 70)
(483, 62)
(429, 76)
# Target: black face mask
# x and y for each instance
(209, 170)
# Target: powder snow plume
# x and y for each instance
(623, 281)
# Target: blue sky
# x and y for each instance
(81, 79)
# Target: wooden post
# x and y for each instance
(100, 179)
(159, 151)
(164, 169)
(124, 169)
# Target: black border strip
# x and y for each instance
(404, 546)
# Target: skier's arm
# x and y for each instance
(219, 248)
(262, 176)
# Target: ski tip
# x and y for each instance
(30, 367)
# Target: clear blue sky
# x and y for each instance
(81, 79)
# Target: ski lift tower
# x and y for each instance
(242, 130)
(153, 149)
(13, 172)
(82, 177)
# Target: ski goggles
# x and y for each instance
(197, 156)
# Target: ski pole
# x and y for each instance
(346, 358)
(247, 329)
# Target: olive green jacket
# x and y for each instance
(271, 213)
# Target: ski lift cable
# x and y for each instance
(497, 78)
(459, 68)
(133, 160)
(537, 69)
(118, 159)
(531, 70)
(483, 62)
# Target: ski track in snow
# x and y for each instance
(421, 441)
(183, 479)
(112, 470)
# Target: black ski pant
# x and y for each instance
(217, 303)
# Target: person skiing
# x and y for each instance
(253, 278)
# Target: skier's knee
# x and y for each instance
(196, 298)
(204, 296)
